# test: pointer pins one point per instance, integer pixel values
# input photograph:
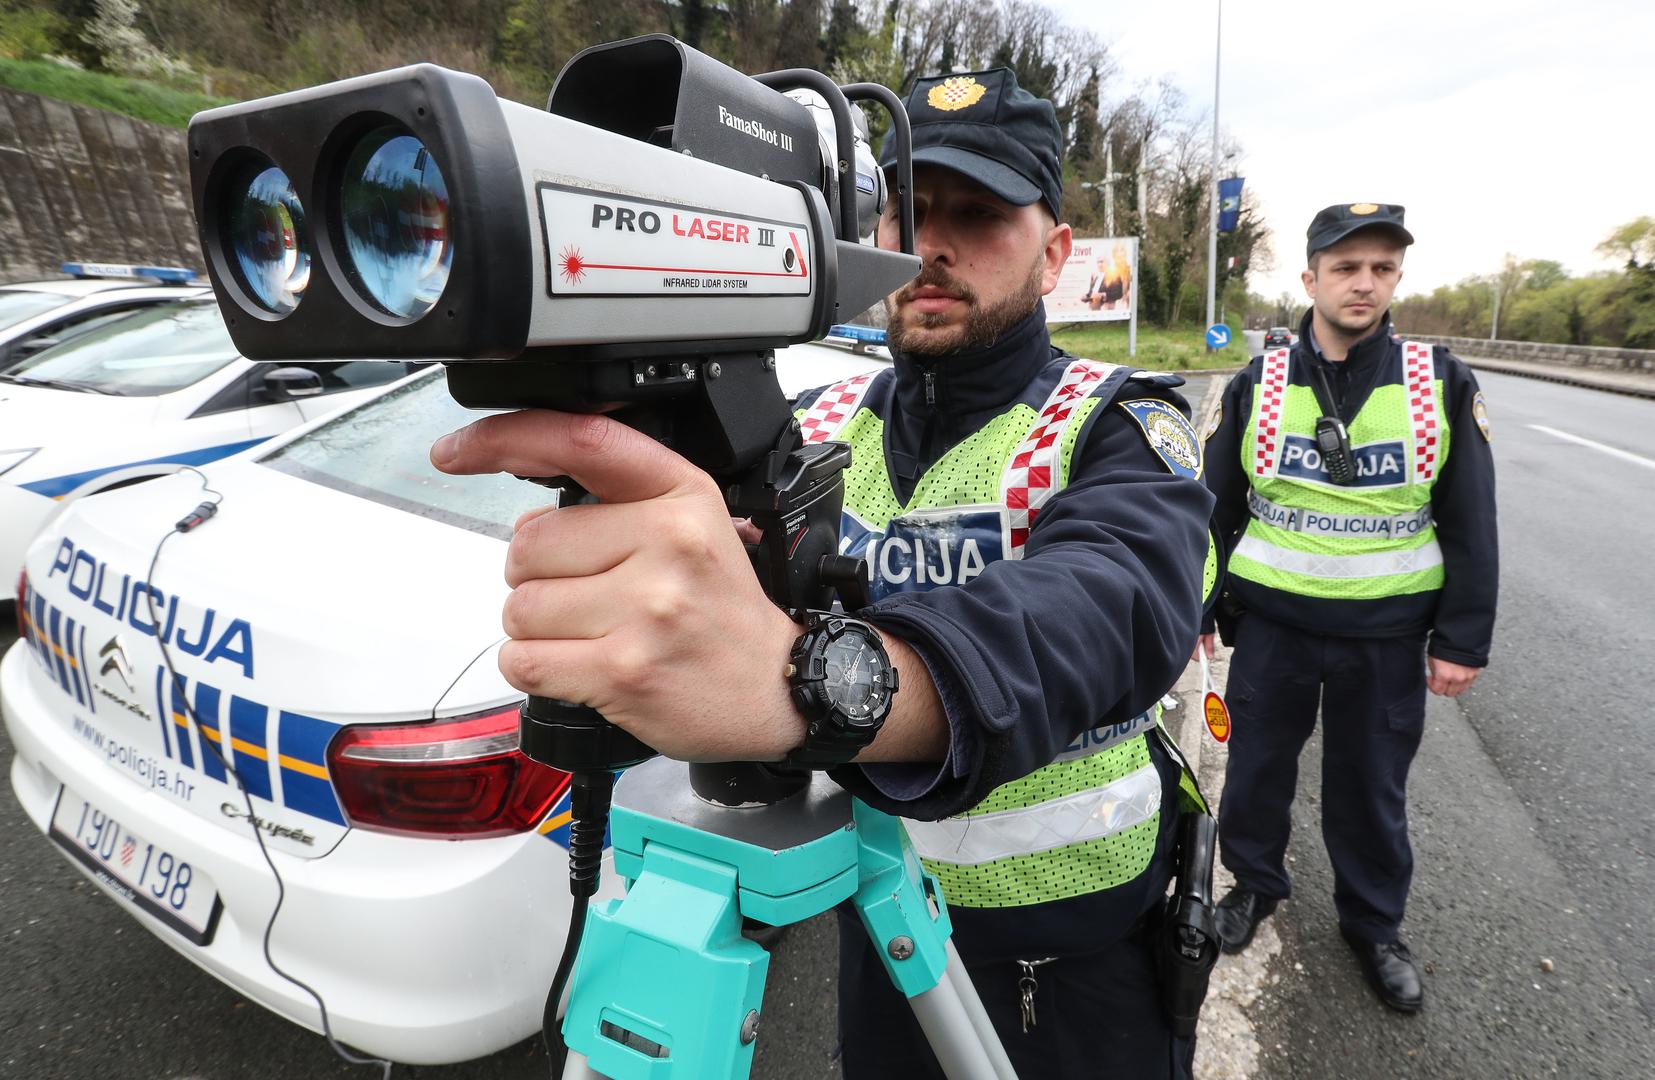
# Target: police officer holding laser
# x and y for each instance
(1035, 532)
(1355, 499)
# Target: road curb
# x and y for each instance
(1584, 380)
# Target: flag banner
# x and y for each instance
(1229, 203)
(1097, 282)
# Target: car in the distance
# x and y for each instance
(1278, 337)
(332, 632)
(36, 315)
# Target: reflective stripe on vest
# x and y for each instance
(1072, 819)
(1302, 520)
(1324, 565)
(1088, 820)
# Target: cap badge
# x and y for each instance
(955, 92)
(1364, 208)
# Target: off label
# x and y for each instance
(602, 244)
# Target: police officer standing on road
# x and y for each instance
(1035, 530)
(1355, 500)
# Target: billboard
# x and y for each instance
(1097, 281)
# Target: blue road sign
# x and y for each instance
(1218, 336)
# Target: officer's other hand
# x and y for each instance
(1203, 644)
(643, 606)
(1448, 678)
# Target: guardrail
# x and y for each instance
(1580, 356)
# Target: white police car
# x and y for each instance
(333, 630)
(142, 395)
(35, 315)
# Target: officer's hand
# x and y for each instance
(1204, 643)
(1448, 678)
(645, 606)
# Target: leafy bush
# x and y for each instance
(30, 33)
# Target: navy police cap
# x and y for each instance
(1337, 222)
(985, 126)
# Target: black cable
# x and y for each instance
(201, 514)
(589, 798)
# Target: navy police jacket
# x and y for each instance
(1089, 628)
(1460, 616)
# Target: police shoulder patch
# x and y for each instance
(1479, 413)
(1168, 434)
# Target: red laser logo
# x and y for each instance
(571, 266)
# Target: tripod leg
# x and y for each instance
(966, 1044)
(910, 932)
(664, 984)
(576, 1068)
(967, 991)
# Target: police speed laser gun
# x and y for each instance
(1188, 939)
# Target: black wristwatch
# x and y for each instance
(842, 682)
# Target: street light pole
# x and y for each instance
(1212, 231)
(1109, 187)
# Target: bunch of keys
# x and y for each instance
(1028, 985)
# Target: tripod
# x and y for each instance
(665, 984)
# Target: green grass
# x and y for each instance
(131, 97)
(1181, 348)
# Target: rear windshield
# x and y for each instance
(381, 451)
(152, 351)
(17, 305)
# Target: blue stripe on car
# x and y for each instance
(55, 487)
(247, 734)
(302, 743)
(206, 717)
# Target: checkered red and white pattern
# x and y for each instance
(1031, 475)
(836, 405)
(1419, 372)
(1267, 424)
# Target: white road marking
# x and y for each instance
(1610, 450)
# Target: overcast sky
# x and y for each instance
(1516, 126)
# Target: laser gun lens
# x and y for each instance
(395, 211)
(267, 236)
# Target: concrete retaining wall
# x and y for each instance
(81, 184)
(1584, 356)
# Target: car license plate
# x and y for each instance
(143, 873)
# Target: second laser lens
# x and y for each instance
(266, 225)
(394, 207)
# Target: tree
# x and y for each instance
(1083, 143)
(1634, 242)
(112, 33)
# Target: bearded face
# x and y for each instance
(933, 332)
(986, 264)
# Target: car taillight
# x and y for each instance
(460, 777)
(22, 611)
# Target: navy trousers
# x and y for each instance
(1098, 1016)
(1372, 697)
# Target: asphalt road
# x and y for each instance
(1530, 829)
(1528, 802)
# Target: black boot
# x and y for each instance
(1238, 916)
(1391, 971)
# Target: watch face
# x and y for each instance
(858, 677)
